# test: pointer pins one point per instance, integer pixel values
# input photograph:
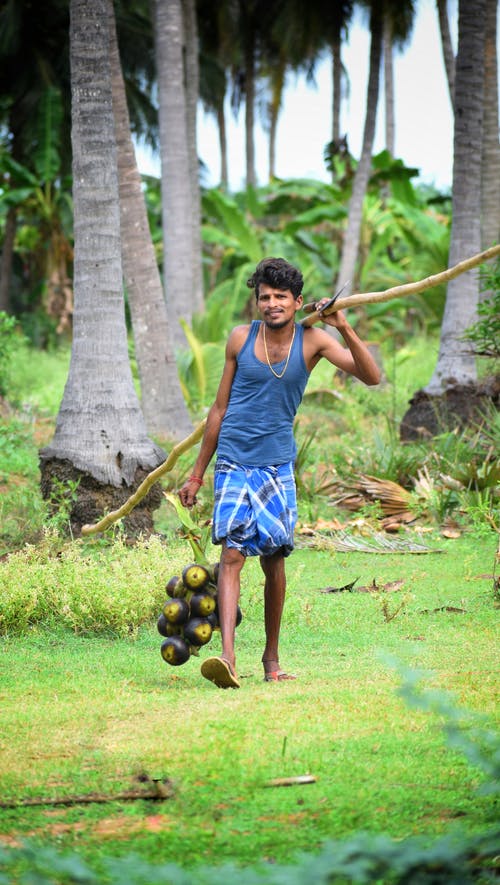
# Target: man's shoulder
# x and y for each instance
(238, 336)
(313, 336)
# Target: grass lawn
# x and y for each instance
(83, 713)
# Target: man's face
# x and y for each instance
(277, 307)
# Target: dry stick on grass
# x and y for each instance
(146, 484)
(159, 791)
(406, 289)
(313, 317)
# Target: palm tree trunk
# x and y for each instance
(191, 51)
(6, 259)
(177, 213)
(456, 364)
(277, 86)
(100, 439)
(446, 45)
(337, 88)
(162, 401)
(490, 181)
(251, 178)
(388, 86)
(221, 125)
(352, 234)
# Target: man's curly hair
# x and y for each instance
(279, 274)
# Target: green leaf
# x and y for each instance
(235, 222)
(183, 513)
(197, 537)
(46, 158)
(21, 173)
(314, 216)
(16, 196)
(215, 236)
(197, 352)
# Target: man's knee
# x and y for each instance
(232, 557)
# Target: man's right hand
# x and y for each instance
(187, 494)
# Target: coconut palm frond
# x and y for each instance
(378, 542)
(364, 489)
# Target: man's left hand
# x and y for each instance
(336, 319)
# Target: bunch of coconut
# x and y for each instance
(190, 615)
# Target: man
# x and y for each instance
(250, 425)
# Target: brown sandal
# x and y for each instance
(220, 672)
(278, 676)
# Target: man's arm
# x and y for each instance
(355, 359)
(187, 493)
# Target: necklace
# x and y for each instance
(276, 374)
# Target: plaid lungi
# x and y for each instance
(255, 508)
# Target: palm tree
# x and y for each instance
(398, 24)
(34, 62)
(456, 360)
(182, 297)
(192, 86)
(342, 13)
(294, 42)
(100, 443)
(34, 59)
(451, 397)
(162, 402)
(216, 28)
(248, 10)
(253, 22)
(352, 233)
(447, 47)
(390, 24)
(490, 182)
(389, 85)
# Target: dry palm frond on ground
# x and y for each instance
(364, 489)
(376, 542)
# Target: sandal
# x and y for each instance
(220, 672)
(278, 676)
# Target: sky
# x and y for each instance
(423, 114)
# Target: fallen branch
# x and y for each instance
(291, 781)
(401, 291)
(161, 789)
(146, 484)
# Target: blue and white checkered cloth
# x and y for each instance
(255, 508)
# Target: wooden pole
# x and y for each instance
(146, 484)
(401, 291)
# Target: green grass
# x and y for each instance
(38, 378)
(89, 712)
(88, 704)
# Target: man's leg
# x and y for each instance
(228, 595)
(222, 670)
(274, 600)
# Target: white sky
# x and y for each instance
(423, 116)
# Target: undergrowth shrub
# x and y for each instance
(8, 345)
(111, 590)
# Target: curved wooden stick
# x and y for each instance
(405, 289)
(146, 484)
(313, 317)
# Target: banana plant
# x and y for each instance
(200, 369)
(44, 208)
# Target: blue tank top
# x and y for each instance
(257, 429)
